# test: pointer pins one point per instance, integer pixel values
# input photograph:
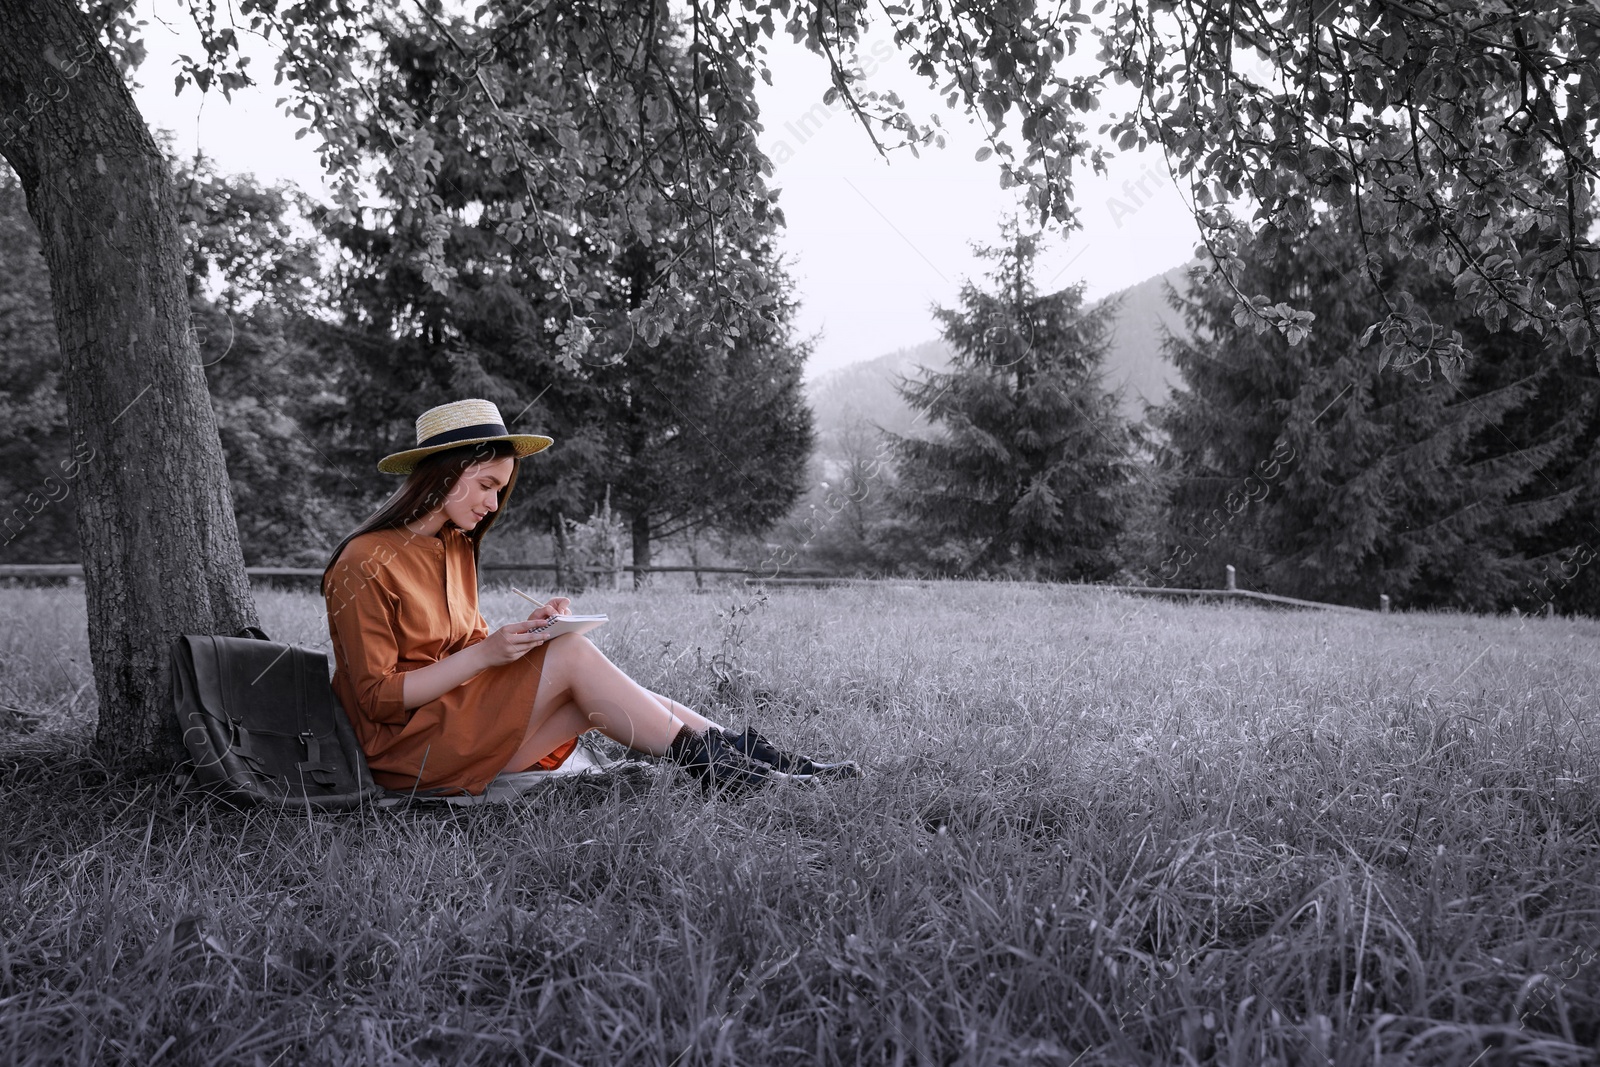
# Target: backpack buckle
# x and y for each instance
(313, 767)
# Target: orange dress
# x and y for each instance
(398, 601)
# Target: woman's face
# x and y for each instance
(477, 492)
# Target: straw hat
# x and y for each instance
(460, 422)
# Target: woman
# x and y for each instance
(440, 703)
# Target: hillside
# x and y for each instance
(1135, 362)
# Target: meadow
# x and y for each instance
(1093, 830)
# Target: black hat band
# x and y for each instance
(465, 433)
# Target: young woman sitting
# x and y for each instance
(441, 704)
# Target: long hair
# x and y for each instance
(427, 486)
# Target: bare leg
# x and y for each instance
(696, 721)
(542, 738)
(580, 689)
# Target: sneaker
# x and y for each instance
(757, 747)
(720, 767)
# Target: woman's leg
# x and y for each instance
(695, 721)
(580, 689)
(542, 737)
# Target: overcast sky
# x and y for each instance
(872, 242)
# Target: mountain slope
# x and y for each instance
(1135, 361)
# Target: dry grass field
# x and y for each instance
(1094, 830)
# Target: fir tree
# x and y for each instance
(1033, 474)
(1319, 474)
(706, 436)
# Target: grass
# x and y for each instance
(1095, 831)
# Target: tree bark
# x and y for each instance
(694, 557)
(568, 578)
(161, 553)
(641, 547)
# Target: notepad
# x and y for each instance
(570, 624)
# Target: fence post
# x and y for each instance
(1383, 603)
(1232, 583)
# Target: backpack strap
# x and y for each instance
(239, 734)
(239, 742)
(313, 766)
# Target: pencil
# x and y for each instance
(525, 596)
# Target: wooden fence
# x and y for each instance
(73, 572)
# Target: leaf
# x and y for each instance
(1577, 334)
(983, 153)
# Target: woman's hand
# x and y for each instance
(556, 605)
(510, 642)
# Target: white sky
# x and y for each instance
(872, 243)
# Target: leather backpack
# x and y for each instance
(261, 722)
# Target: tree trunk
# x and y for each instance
(641, 547)
(694, 558)
(161, 552)
(568, 579)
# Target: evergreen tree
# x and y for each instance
(706, 437)
(1560, 570)
(1319, 474)
(840, 525)
(1033, 474)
